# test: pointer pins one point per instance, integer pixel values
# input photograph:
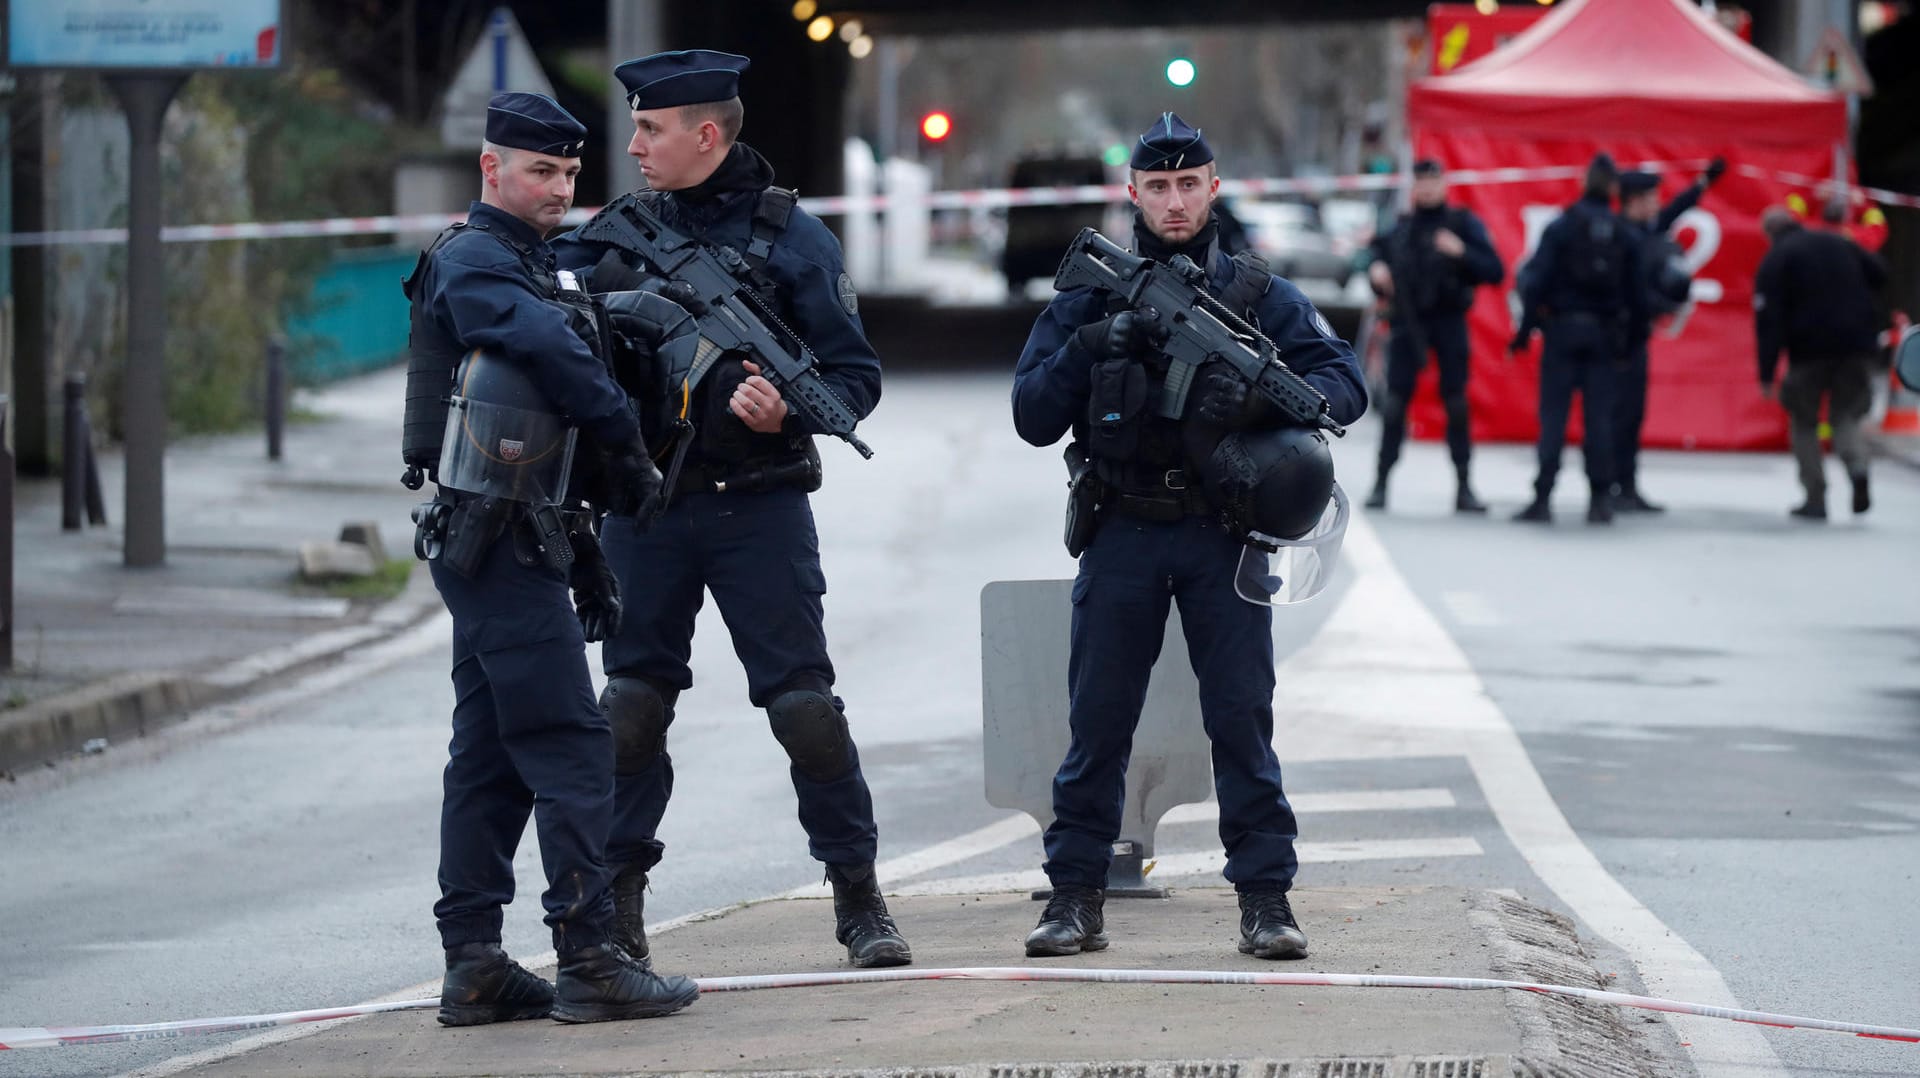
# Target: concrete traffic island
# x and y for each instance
(1015, 1029)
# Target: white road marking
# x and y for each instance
(1470, 608)
(1346, 695)
(1313, 804)
(1210, 862)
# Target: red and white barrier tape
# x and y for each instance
(60, 1037)
(833, 205)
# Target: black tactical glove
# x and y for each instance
(1120, 336)
(1715, 168)
(634, 484)
(596, 591)
(1228, 401)
(682, 293)
(612, 274)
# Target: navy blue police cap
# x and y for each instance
(536, 122)
(1638, 182)
(1169, 145)
(1602, 166)
(688, 77)
(1428, 166)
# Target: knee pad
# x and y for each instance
(639, 716)
(814, 733)
(1393, 407)
(1456, 409)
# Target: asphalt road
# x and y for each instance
(1724, 707)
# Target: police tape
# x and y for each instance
(73, 1036)
(978, 198)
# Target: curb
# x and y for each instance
(135, 704)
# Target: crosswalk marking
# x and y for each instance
(1312, 804)
(1210, 862)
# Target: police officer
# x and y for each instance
(1427, 267)
(1813, 296)
(527, 737)
(1584, 285)
(738, 524)
(1668, 284)
(1087, 364)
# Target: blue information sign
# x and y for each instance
(166, 34)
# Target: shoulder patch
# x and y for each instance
(848, 299)
(1320, 323)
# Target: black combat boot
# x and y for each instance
(1377, 499)
(1600, 509)
(1630, 500)
(483, 985)
(861, 921)
(1267, 928)
(604, 983)
(1811, 509)
(1463, 499)
(1862, 497)
(1072, 922)
(1536, 512)
(629, 913)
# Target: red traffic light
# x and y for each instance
(936, 126)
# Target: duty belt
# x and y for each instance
(1158, 494)
(754, 476)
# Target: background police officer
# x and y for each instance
(1584, 284)
(527, 737)
(1427, 266)
(1813, 296)
(739, 523)
(1086, 366)
(1667, 284)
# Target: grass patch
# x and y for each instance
(387, 581)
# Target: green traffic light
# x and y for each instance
(1180, 71)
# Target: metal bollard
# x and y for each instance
(73, 452)
(276, 396)
(6, 542)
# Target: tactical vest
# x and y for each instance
(1595, 256)
(1135, 450)
(432, 355)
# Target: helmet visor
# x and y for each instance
(1297, 569)
(498, 451)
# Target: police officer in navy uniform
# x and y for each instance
(1162, 541)
(1428, 265)
(1584, 284)
(738, 523)
(527, 736)
(1667, 284)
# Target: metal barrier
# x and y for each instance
(1024, 630)
(276, 396)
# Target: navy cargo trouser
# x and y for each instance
(528, 738)
(759, 556)
(1581, 352)
(1128, 576)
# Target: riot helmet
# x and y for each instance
(1278, 572)
(1275, 482)
(503, 439)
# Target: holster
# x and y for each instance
(1084, 490)
(471, 527)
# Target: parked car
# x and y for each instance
(1290, 236)
(1037, 236)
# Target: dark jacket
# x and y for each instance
(1587, 264)
(805, 264)
(477, 292)
(1052, 382)
(1437, 284)
(1813, 296)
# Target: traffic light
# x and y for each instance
(1180, 71)
(936, 126)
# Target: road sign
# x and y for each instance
(1836, 63)
(501, 60)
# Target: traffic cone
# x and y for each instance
(1903, 404)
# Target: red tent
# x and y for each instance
(1655, 83)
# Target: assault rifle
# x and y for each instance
(1191, 327)
(732, 316)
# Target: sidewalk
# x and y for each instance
(102, 651)
(1004, 1029)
